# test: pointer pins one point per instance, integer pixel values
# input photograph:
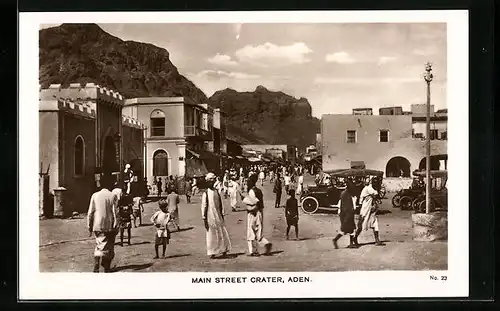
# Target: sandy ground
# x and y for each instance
(66, 247)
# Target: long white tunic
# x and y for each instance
(234, 193)
(369, 218)
(218, 241)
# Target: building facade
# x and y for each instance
(82, 134)
(386, 143)
(289, 151)
(362, 111)
(390, 111)
(179, 136)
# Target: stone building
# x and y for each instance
(387, 143)
(289, 151)
(82, 134)
(177, 135)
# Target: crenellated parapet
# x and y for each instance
(68, 106)
(131, 122)
(87, 92)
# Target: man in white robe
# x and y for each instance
(368, 213)
(255, 219)
(218, 242)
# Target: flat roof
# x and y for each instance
(154, 100)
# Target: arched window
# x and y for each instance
(79, 154)
(157, 123)
(160, 163)
(398, 167)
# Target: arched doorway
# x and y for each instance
(398, 167)
(160, 163)
(435, 165)
(109, 163)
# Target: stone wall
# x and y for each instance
(79, 188)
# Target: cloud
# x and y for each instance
(225, 74)
(269, 54)
(340, 58)
(223, 60)
(425, 51)
(365, 81)
(386, 59)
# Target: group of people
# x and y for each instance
(115, 208)
(217, 236)
(352, 223)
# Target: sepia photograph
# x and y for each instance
(245, 153)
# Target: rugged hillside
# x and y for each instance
(85, 53)
(274, 117)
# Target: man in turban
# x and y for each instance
(255, 218)
(218, 242)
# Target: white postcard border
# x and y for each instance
(34, 285)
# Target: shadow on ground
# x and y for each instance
(132, 267)
(184, 229)
(178, 255)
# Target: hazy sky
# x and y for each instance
(337, 67)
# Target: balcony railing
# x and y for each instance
(193, 130)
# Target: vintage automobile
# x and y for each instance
(407, 198)
(439, 193)
(326, 193)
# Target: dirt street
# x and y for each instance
(66, 247)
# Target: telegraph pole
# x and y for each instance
(428, 78)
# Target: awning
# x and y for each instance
(193, 153)
(195, 168)
(358, 164)
(252, 159)
(240, 157)
(207, 155)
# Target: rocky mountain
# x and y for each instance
(85, 53)
(273, 117)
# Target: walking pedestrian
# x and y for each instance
(125, 217)
(292, 214)
(262, 176)
(218, 242)
(159, 185)
(160, 220)
(368, 213)
(234, 193)
(288, 181)
(128, 176)
(188, 189)
(195, 186)
(255, 219)
(346, 215)
(102, 221)
(277, 190)
(173, 208)
(300, 183)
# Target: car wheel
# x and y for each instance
(396, 200)
(415, 203)
(422, 207)
(405, 203)
(310, 205)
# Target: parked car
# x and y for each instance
(439, 193)
(326, 193)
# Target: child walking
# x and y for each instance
(137, 210)
(125, 216)
(160, 220)
(292, 213)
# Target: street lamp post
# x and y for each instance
(428, 78)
